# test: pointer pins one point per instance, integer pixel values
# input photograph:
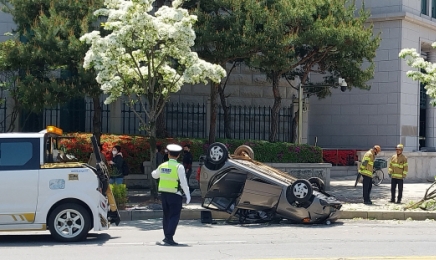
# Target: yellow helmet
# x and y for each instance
(400, 146)
(377, 148)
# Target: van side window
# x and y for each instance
(15, 154)
(19, 153)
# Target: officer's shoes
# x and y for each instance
(392, 201)
(170, 242)
(367, 202)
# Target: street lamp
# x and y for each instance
(341, 82)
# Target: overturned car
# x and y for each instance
(251, 191)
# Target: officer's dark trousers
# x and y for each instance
(367, 186)
(171, 206)
(394, 183)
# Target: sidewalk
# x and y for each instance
(140, 207)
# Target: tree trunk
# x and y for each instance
(276, 108)
(96, 119)
(213, 112)
(152, 141)
(161, 125)
(226, 110)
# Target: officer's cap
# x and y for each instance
(174, 148)
(400, 146)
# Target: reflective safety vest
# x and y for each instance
(398, 167)
(169, 178)
(367, 165)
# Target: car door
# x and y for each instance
(19, 173)
(224, 188)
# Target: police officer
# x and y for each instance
(366, 169)
(172, 182)
(398, 168)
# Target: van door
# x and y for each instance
(19, 173)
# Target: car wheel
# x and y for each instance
(69, 222)
(317, 184)
(217, 153)
(244, 150)
(213, 167)
(300, 191)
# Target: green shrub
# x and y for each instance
(120, 195)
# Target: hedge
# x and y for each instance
(136, 149)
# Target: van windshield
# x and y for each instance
(56, 151)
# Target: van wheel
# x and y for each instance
(299, 191)
(217, 153)
(244, 150)
(69, 222)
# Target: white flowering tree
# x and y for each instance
(144, 57)
(425, 73)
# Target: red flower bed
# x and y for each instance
(339, 157)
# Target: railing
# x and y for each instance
(190, 121)
(75, 117)
(254, 123)
(3, 115)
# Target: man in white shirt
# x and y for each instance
(172, 181)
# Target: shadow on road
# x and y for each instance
(37, 240)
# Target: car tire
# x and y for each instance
(299, 191)
(217, 153)
(213, 167)
(244, 150)
(69, 222)
(317, 184)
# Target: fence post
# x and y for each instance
(208, 116)
(115, 122)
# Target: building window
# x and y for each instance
(424, 7)
(433, 9)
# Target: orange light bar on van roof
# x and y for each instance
(54, 130)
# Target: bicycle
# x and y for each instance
(378, 174)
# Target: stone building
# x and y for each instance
(393, 111)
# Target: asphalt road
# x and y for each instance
(352, 239)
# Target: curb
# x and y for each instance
(195, 214)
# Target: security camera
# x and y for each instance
(343, 84)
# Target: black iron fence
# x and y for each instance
(76, 116)
(181, 120)
(190, 121)
(254, 123)
(3, 115)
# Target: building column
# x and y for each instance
(115, 118)
(430, 131)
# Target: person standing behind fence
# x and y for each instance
(117, 162)
(398, 168)
(366, 169)
(171, 184)
(187, 163)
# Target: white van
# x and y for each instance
(42, 188)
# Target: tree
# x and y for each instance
(145, 57)
(48, 42)
(322, 36)
(225, 34)
(426, 72)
